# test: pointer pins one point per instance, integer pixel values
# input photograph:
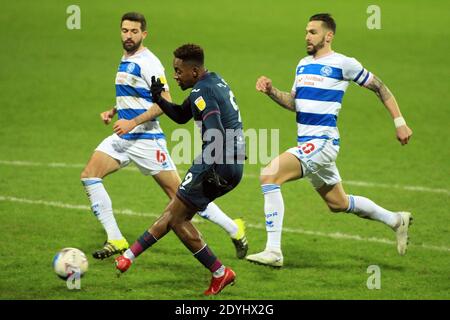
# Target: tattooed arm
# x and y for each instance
(403, 131)
(284, 99)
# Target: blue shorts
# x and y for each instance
(204, 183)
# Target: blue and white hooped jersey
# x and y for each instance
(319, 88)
(133, 95)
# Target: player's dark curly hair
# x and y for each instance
(190, 52)
(327, 19)
(137, 17)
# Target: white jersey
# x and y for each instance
(319, 87)
(133, 95)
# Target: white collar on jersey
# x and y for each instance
(324, 56)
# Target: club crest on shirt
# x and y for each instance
(200, 103)
(130, 67)
(326, 71)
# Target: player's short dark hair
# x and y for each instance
(190, 52)
(326, 19)
(135, 16)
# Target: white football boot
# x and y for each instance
(402, 232)
(268, 258)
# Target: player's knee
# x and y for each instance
(91, 172)
(266, 179)
(85, 174)
(269, 177)
(174, 222)
(179, 229)
(336, 207)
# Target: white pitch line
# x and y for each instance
(396, 186)
(334, 235)
(131, 168)
(58, 204)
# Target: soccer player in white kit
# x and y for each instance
(320, 82)
(145, 145)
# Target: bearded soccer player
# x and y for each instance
(143, 144)
(320, 83)
(215, 172)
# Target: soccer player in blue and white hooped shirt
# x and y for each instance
(142, 143)
(320, 82)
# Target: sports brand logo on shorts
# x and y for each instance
(130, 67)
(326, 71)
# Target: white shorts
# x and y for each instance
(318, 158)
(149, 155)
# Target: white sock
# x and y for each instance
(274, 213)
(214, 214)
(101, 206)
(129, 254)
(219, 272)
(366, 208)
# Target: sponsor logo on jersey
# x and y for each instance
(200, 103)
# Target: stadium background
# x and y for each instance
(54, 82)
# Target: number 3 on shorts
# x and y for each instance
(187, 180)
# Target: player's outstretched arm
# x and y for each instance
(124, 126)
(284, 99)
(382, 91)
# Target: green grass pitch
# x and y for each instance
(54, 83)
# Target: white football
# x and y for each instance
(69, 261)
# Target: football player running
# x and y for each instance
(214, 173)
(320, 83)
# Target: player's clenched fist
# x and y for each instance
(404, 133)
(264, 85)
(108, 115)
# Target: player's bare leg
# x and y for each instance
(177, 217)
(99, 166)
(338, 201)
(169, 181)
(286, 167)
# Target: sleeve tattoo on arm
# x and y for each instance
(380, 89)
(284, 99)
